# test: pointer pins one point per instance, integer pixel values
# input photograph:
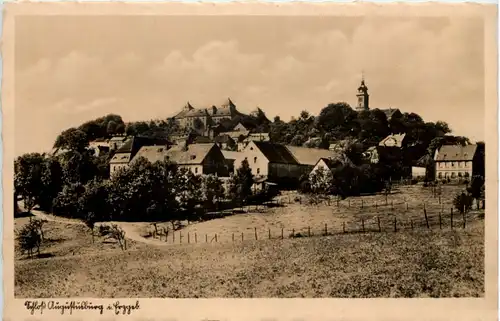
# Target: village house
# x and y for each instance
(391, 113)
(456, 161)
(225, 142)
(309, 157)
(117, 141)
(269, 160)
(418, 172)
(129, 149)
(394, 140)
(99, 146)
(325, 164)
(253, 137)
(230, 157)
(202, 159)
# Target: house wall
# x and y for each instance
(321, 164)
(196, 169)
(453, 169)
(257, 161)
(278, 171)
(215, 163)
(418, 172)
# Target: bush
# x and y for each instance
(462, 202)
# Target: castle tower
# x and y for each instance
(363, 97)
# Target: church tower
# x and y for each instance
(363, 97)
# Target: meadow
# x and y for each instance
(419, 262)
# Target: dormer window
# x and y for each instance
(193, 157)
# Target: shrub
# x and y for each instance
(462, 201)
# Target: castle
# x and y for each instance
(202, 118)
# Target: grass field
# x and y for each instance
(410, 263)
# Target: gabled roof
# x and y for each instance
(329, 162)
(223, 138)
(202, 140)
(236, 134)
(310, 156)
(151, 153)
(397, 138)
(231, 155)
(195, 154)
(264, 137)
(456, 153)
(275, 153)
(118, 138)
(133, 145)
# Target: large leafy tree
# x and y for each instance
(72, 139)
(240, 184)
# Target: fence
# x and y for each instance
(376, 224)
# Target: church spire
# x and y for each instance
(362, 95)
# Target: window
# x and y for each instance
(255, 160)
(466, 174)
(453, 174)
(440, 175)
(196, 170)
(258, 170)
(452, 164)
(459, 174)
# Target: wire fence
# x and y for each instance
(376, 224)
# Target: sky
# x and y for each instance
(72, 69)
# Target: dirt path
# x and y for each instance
(132, 230)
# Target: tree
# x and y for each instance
(475, 188)
(321, 181)
(212, 190)
(189, 191)
(337, 119)
(240, 184)
(93, 204)
(29, 238)
(38, 225)
(72, 139)
(28, 172)
(66, 204)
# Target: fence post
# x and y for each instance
(206, 238)
(411, 224)
(343, 227)
(255, 232)
(215, 237)
(241, 236)
(180, 237)
(233, 238)
(407, 206)
(464, 215)
(173, 236)
(395, 224)
(326, 229)
(440, 221)
(293, 232)
(188, 237)
(392, 205)
(362, 204)
(378, 222)
(451, 218)
(309, 231)
(195, 238)
(281, 233)
(363, 224)
(269, 230)
(426, 218)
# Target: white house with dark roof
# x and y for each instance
(456, 161)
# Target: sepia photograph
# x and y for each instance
(250, 156)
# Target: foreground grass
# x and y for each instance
(422, 263)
